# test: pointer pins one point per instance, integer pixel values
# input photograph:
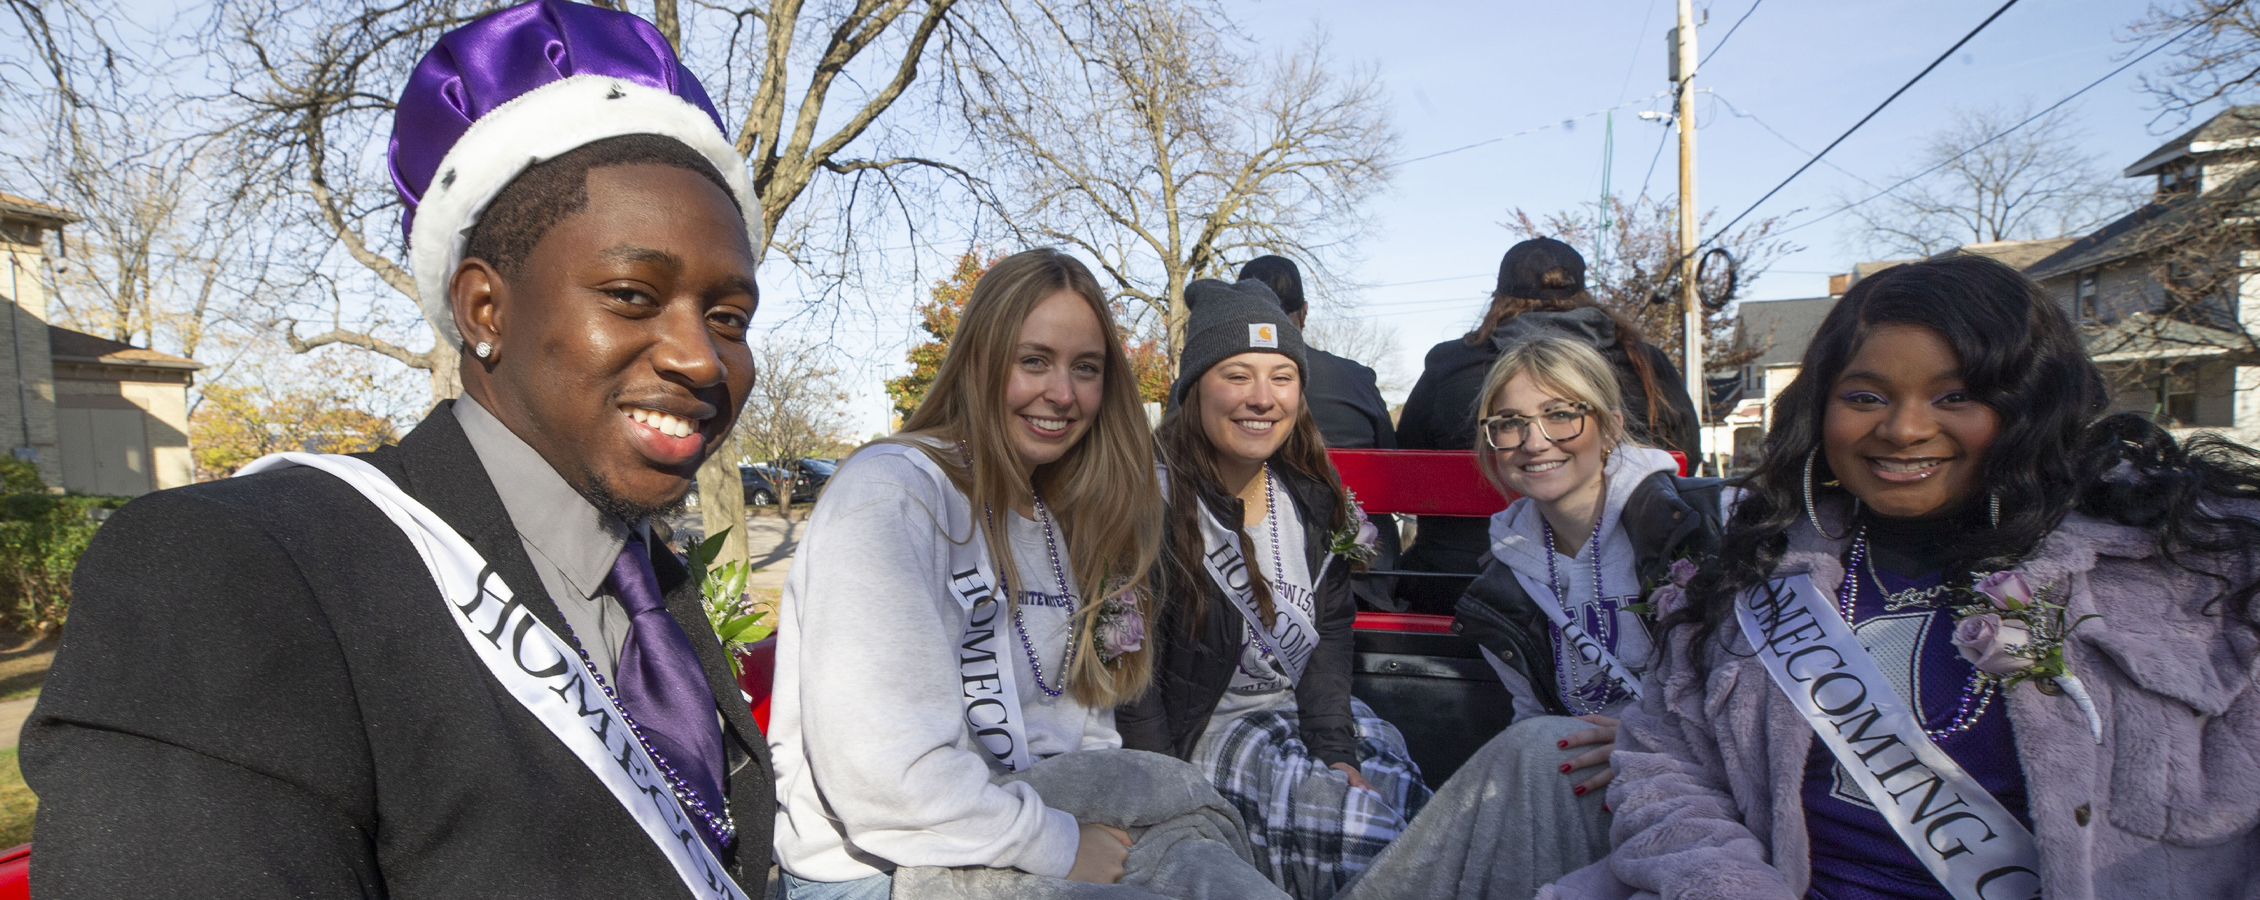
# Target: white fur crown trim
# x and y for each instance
(541, 125)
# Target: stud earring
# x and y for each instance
(483, 349)
(1811, 512)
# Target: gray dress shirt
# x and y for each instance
(572, 545)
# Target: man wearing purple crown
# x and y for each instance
(460, 666)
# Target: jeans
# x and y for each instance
(876, 887)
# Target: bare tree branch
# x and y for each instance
(2038, 182)
(1151, 139)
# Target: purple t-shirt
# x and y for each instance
(1856, 855)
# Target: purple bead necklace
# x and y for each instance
(1554, 581)
(724, 829)
(1977, 693)
(1059, 573)
(1278, 561)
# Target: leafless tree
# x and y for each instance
(1362, 340)
(2219, 61)
(1152, 139)
(2036, 182)
(156, 256)
(798, 408)
(1634, 263)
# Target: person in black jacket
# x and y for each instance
(1601, 543)
(271, 687)
(1604, 531)
(1252, 676)
(1541, 292)
(1344, 394)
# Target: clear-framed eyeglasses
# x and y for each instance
(1562, 423)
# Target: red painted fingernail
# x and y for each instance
(1578, 791)
(1562, 744)
(1565, 767)
(1604, 807)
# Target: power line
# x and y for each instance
(1863, 121)
(1721, 45)
(2004, 132)
(1793, 145)
(1660, 142)
(1639, 39)
(1544, 127)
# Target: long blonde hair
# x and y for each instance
(1102, 492)
(1572, 370)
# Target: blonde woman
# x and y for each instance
(1565, 606)
(965, 605)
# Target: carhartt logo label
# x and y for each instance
(1261, 335)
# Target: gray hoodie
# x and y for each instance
(1518, 540)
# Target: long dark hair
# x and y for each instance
(1184, 447)
(2020, 356)
(1660, 417)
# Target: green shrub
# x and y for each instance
(41, 537)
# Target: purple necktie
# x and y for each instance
(665, 689)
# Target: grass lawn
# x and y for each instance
(16, 802)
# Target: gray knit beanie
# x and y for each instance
(1228, 320)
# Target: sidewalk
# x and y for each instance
(12, 716)
(770, 542)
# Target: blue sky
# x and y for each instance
(1460, 73)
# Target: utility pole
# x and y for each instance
(1682, 42)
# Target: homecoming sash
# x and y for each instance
(1290, 635)
(537, 668)
(987, 669)
(1580, 641)
(1967, 840)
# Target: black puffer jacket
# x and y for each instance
(1191, 670)
(1667, 518)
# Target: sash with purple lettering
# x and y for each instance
(1970, 842)
(537, 668)
(987, 661)
(1289, 635)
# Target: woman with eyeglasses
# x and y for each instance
(1604, 533)
(1541, 293)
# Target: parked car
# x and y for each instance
(761, 486)
(813, 472)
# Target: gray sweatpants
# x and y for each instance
(1504, 826)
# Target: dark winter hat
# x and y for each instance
(1523, 272)
(1280, 275)
(1228, 320)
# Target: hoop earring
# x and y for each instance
(1993, 502)
(1812, 513)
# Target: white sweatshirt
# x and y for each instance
(1519, 541)
(875, 765)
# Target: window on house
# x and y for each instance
(2181, 409)
(2178, 179)
(2084, 297)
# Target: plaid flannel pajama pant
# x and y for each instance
(1312, 832)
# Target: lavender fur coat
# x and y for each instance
(1709, 770)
